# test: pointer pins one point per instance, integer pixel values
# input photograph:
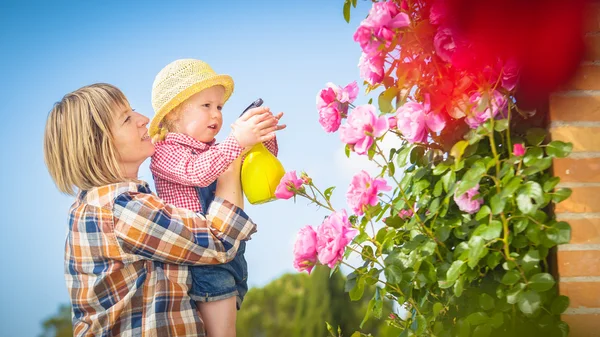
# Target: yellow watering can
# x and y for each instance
(261, 171)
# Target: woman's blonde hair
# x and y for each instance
(78, 143)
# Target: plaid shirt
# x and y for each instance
(127, 257)
(180, 163)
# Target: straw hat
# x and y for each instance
(178, 81)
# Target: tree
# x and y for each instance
(59, 325)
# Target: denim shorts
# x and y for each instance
(220, 281)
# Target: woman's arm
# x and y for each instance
(176, 164)
(146, 226)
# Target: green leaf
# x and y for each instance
(551, 183)
(498, 204)
(478, 318)
(448, 180)
(454, 271)
(541, 282)
(459, 286)
(511, 187)
(440, 168)
(529, 193)
(483, 212)
(457, 150)
(530, 302)
(561, 194)
(477, 251)
(393, 274)
(497, 320)
(559, 305)
(535, 136)
(483, 330)
(437, 190)
(416, 154)
(347, 11)
(493, 230)
(501, 125)
(357, 292)
(511, 277)
(421, 325)
(520, 225)
(531, 259)
(532, 156)
(559, 149)
(354, 3)
(514, 294)
(471, 177)
(347, 151)
(464, 328)
(360, 238)
(437, 308)
(385, 99)
(486, 302)
(328, 192)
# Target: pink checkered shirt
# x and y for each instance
(180, 163)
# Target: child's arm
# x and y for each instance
(175, 163)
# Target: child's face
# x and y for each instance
(201, 114)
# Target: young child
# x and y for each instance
(187, 97)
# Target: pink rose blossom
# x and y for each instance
(288, 184)
(362, 127)
(332, 104)
(518, 150)
(445, 44)
(334, 234)
(497, 102)
(305, 178)
(413, 120)
(364, 191)
(438, 12)
(466, 203)
(405, 214)
(510, 75)
(305, 249)
(379, 26)
(393, 122)
(330, 118)
(371, 68)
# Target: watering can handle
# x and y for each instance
(254, 104)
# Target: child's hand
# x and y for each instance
(257, 125)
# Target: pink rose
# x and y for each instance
(362, 127)
(379, 26)
(413, 120)
(405, 214)
(438, 12)
(334, 234)
(479, 115)
(371, 68)
(364, 191)
(305, 249)
(332, 104)
(518, 150)
(510, 75)
(445, 44)
(393, 122)
(288, 185)
(330, 118)
(466, 203)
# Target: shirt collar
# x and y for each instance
(179, 138)
(103, 195)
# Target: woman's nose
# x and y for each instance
(142, 120)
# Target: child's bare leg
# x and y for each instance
(229, 185)
(219, 317)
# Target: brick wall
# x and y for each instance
(575, 117)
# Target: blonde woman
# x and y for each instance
(127, 251)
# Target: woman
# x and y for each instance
(127, 251)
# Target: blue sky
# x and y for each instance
(281, 51)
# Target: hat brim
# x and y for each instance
(223, 80)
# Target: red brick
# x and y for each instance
(587, 78)
(582, 294)
(585, 231)
(575, 108)
(584, 139)
(583, 200)
(583, 325)
(578, 263)
(583, 170)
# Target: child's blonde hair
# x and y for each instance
(78, 147)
